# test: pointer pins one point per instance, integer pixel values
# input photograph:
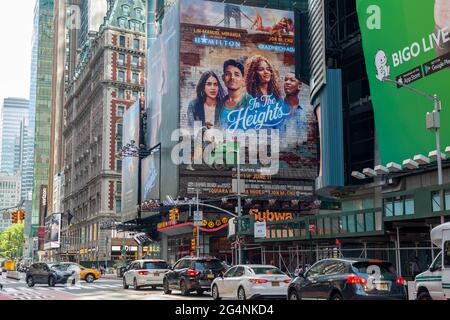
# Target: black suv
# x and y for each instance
(192, 274)
(42, 273)
(348, 279)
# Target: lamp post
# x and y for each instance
(433, 123)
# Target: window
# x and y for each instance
(409, 205)
(120, 110)
(126, 10)
(388, 208)
(138, 12)
(136, 44)
(119, 130)
(135, 61)
(230, 272)
(121, 59)
(437, 263)
(370, 223)
(327, 225)
(398, 207)
(121, 93)
(135, 77)
(320, 230)
(436, 201)
(119, 165)
(335, 225)
(122, 41)
(334, 267)
(122, 22)
(344, 227)
(351, 223)
(447, 254)
(316, 269)
(360, 222)
(121, 76)
(239, 272)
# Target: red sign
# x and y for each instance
(312, 228)
(41, 232)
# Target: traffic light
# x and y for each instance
(193, 244)
(15, 217)
(21, 215)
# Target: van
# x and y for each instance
(434, 284)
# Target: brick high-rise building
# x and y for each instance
(108, 79)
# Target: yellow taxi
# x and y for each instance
(87, 274)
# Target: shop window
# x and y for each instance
(388, 208)
(436, 201)
(360, 222)
(409, 205)
(370, 223)
(398, 207)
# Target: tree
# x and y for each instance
(12, 241)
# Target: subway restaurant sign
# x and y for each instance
(407, 41)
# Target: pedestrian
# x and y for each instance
(415, 267)
(272, 262)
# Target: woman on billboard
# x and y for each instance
(206, 107)
(261, 78)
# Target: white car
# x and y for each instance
(145, 273)
(251, 282)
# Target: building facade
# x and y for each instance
(14, 121)
(108, 79)
(9, 197)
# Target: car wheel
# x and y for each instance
(51, 282)
(135, 285)
(166, 287)
(30, 281)
(125, 286)
(183, 288)
(424, 296)
(215, 293)
(241, 294)
(89, 278)
(293, 295)
(336, 296)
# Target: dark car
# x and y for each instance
(42, 273)
(192, 274)
(348, 279)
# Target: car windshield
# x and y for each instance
(369, 268)
(266, 270)
(208, 265)
(155, 265)
(59, 267)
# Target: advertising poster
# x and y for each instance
(408, 42)
(130, 163)
(237, 66)
(52, 231)
(150, 178)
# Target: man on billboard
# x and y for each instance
(442, 20)
(237, 97)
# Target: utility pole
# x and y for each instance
(239, 206)
(198, 227)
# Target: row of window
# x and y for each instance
(134, 25)
(121, 94)
(122, 43)
(134, 77)
(399, 206)
(435, 196)
(134, 60)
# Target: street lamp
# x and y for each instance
(433, 123)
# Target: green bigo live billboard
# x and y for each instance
(407, 41)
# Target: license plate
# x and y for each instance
(210, 276)
(156, 274)
(382, 286)
(275, 284)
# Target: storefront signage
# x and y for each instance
(271, 216)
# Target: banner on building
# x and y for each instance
(407, 42)
(237, 73)
(52, 231)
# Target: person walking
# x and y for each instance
(415, 267)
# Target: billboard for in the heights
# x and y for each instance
(407, 41)
(237, 72)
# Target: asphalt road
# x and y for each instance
(103, 289)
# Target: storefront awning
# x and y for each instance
(187, 228)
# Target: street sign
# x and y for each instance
(235, 186)
(198, 218)
(260, 229)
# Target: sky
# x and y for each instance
(16, 29)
